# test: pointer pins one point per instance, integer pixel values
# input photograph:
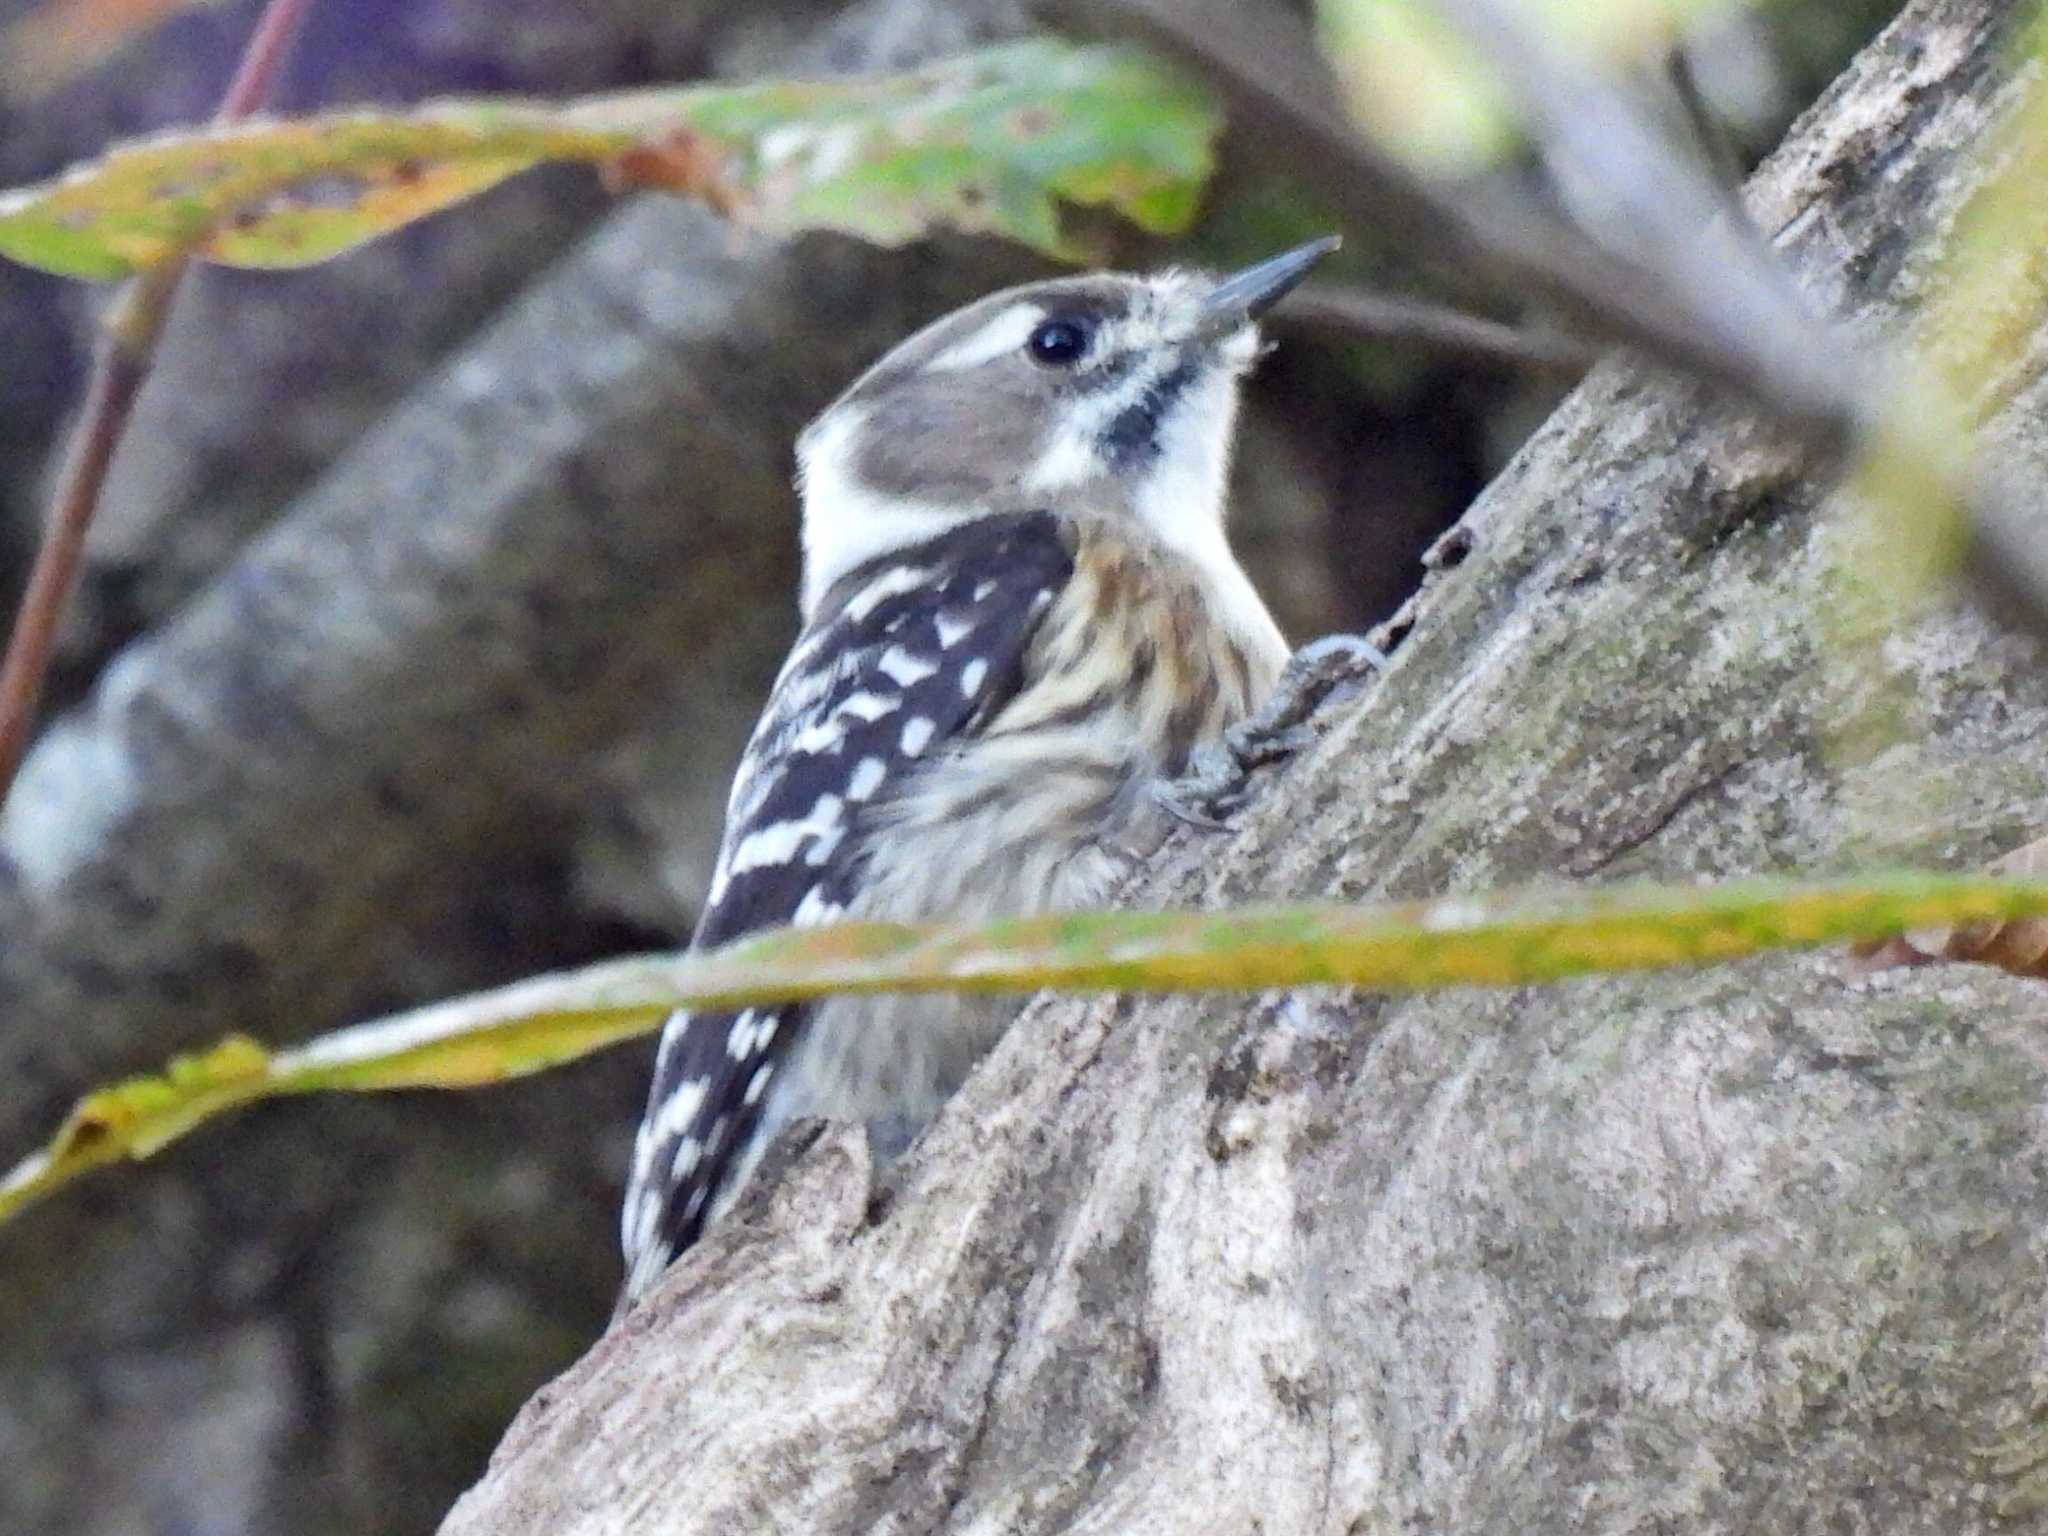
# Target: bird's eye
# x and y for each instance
(1059, 343)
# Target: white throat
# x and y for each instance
(1181, 499)
(846, 524)
(1182, 503)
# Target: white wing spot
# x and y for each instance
(868, 706)
(671, 1036)
(951, 630)
(917, 734)
(972, 676)
(646, 1218)
(683, 1161)
(695, 1203)
(982, 589)
(759, 1081)
(739, 1039)
(827, 844)
(643, 1152)
(779, 842)
(904, 669)
(815, 908)
(819, 738)
(681, 1108)
(866, 778)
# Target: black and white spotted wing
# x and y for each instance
(904, 655)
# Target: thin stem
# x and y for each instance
(110, 393)
(1717, 148)
(1364, 315)
(263, 59)
(133, 327)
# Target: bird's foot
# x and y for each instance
(1218, 777)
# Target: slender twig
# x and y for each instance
(132, 328)
(1360, 314)
(263, 59)
(1717, 146)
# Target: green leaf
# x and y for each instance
(1506, 940)
(989, 142)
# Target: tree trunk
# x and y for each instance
(1755, 1247)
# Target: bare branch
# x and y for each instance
(263, 59)
(1663, 205)
(1662, 215)
(117, 375)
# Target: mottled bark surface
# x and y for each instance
(1751, 1248)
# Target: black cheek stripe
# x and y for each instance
(1132, 437)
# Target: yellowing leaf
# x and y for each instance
(1417, 87)
(994, 142)
(136, 1117)
(1506, 940)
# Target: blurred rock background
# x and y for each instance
(319, 1317)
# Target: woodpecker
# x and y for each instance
(1021, 619)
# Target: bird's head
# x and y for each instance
(1114, 392)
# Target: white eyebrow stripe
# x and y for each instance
(1005, 332)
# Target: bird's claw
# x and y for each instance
(1312, 674)
(1217, 779)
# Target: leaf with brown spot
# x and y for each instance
(682, 161)
(883, 157)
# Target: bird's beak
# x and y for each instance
(1244, 296)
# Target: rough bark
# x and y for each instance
(1749, 1248)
